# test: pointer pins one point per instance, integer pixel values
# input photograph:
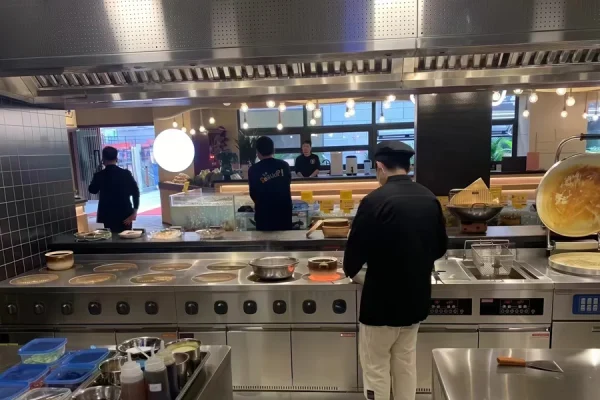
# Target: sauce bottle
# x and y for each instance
(169, 360)
(157, 381)
(132, 381)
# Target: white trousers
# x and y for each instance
(389, 354)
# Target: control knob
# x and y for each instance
(95, 308)
(11, 309)
(123, 308)
(191, 308)
(339, 306)
(309, 306)
(279, 307)
(38, 308)
(221, 307)
(250, 307)
(66, 309)
(151, 308)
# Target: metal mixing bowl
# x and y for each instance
(98, 393)
(110, 370)
(274, 268)
(475, 212)
(141, 343)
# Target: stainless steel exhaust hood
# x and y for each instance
(107, 53)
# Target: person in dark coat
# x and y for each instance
(270, 188)
(117, 188)
(399, 231)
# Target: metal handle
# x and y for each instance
(582, 136)
(259, 329)
(443, 329)
(516, 329)
(595, 329)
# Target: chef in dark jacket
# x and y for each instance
(399, 231)
(269, 182)
(117, 188)
(307, 164)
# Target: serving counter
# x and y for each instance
(523, 236)
(473, 374)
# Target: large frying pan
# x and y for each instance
(568, 197)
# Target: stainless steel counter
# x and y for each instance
(473, 374)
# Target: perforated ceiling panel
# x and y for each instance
(40, 28)
(483, 17)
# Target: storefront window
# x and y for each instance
(269, 117)
(333, 114)
(399, 111)
(506, 109)
(340, 139)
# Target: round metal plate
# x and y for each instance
(153, 278)
(584, 263)
(227, 266)
(92, 279)
(37, 279)
(214, 277)
(171, 267)
(116, 267)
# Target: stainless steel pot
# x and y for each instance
(274, 268)
(145, 344)
(99, 393)
(317, 265)
(195, 356)
(110, 370)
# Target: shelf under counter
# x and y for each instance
(522, 236)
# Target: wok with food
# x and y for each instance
(568, 197)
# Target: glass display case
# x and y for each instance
(196, 210)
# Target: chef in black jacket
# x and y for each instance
(399, 231)
(307, 164)
(117, 188)
(269, 182)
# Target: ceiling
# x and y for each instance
(113, 53)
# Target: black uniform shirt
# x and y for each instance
(116, 187)
(399, 231)
(307, 165)
(269, 182)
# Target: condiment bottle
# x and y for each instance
(157, 381)
(132, 381)
(169, 360)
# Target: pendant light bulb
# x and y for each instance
(391, 98)
(270, 103)
(280, 126)
(561, 91)
(211, 120)
(412, 99)
(533, 97)
(175, 124)
(347, 113)
(350, 103)
(387, 104)
(202, 129)
(183, 129)
(192, 131)
(564, 113)
(518, 91)
(245, 125)
(352, 112)
(282, 107)
(585, 115)
(244, 108)
(526, 114)
(317, 113)
(570, 102)
(313, 121)
(310, 105)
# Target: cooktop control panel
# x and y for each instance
(451, 307)
(586, 304)
(508, 307)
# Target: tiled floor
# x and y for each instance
(306, 396)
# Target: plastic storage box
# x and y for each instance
(31, 374)
(91, 356)
(11, 391)
(43, 351)
(70, 376)
(47, 394)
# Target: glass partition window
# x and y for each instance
(506, 109)
(284, 141)
(399, 111)
(269, 117)
(333, 114)
(339, 139)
